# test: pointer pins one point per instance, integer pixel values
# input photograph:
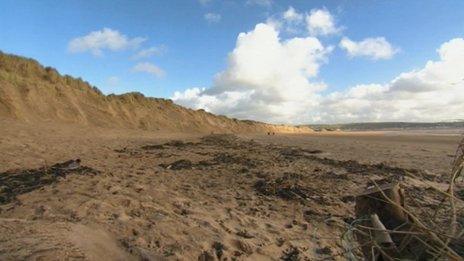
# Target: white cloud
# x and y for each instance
(433, 93)
(149, 68)
(265, 3)
(321, 22)
(97, 41)
(375, 48)
(212, 17)
(267, 78)
(291, 15)
(149, 52)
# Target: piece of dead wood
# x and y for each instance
(387, 230)
(375, 213)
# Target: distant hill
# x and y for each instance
(389, 126)
(31, 92)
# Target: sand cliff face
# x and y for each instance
(30, 92)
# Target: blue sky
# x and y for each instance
(191, 49)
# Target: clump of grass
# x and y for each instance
(32, 72)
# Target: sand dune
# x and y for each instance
(30, 92)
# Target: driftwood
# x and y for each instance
(386, 231)
(377, 216)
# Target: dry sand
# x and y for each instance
(247, 197)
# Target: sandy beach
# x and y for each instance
(155, 196)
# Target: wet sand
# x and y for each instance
(428, 151)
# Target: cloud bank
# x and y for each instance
(273, 79)
(267, 78)
(433, 93)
